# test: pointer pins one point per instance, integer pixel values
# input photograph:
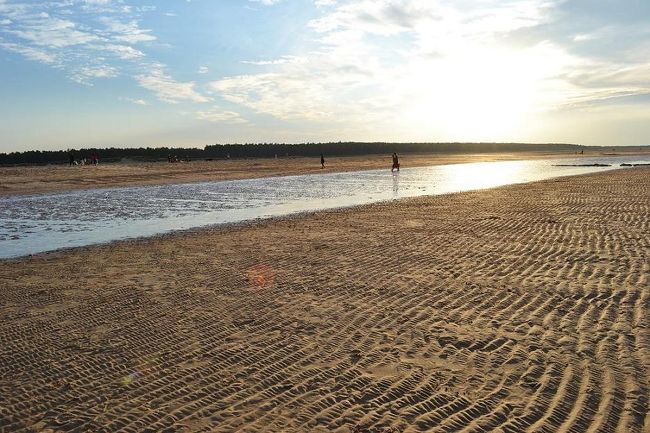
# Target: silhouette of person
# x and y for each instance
(322, 161)
(395, 163)
(71, 157)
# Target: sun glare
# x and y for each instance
(482, 175)
(479, 94)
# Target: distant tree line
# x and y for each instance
(270, 150)
(364, 148)
(111, 154)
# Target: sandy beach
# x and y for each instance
(521, 308)
(54, 178)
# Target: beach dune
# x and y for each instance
(517, 309)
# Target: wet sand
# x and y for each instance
(53, 178)
(521, 308)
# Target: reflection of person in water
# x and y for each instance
(322, 161)
(395, 186)
(395, 162)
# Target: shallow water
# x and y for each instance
(38, 223)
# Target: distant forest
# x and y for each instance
(269, 150)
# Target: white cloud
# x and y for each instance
(89, 40)
(399, 65)
(280, 61)
(319, 92)
(584, 37)
(127, 31)
(167, 89)
(266, 2)
(30, 52)
(596, 83)
(86, 74)
(134, 101)
(393, 66)
(281, 95)
(46, 31)
(220, 116)
(124, 52)
(51, 30)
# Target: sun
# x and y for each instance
(477, 94)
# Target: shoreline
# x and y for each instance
(224, 227)
(481, 309)
(53, 179)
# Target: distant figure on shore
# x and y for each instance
(322, 161)
(71, 157)
(395, 163)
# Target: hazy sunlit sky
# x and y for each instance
(77, 73)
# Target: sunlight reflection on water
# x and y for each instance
(37, 223)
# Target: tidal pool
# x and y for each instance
(37, 223)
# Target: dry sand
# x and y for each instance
(516, 309)
(40, 179)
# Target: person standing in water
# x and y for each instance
(322, 161)
(395, 163)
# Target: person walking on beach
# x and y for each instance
(395, 163)
(322, 161)
(71, 157)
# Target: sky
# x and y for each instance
(131, 73)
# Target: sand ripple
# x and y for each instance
(519, 309)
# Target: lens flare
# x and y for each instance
(261, 276)
(129, 379)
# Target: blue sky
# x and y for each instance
(77, 73)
